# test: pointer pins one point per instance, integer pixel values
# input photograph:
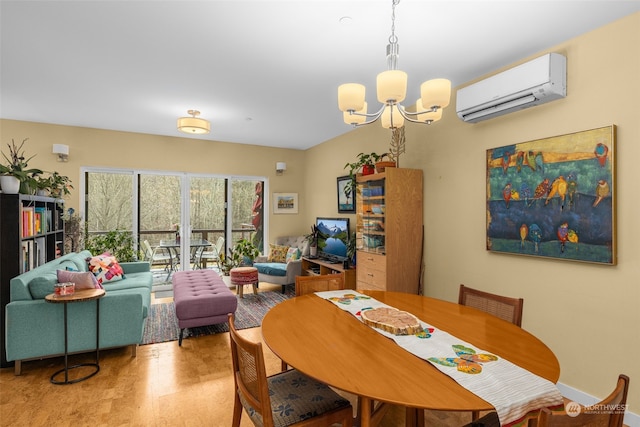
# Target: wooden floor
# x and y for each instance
(165, 385)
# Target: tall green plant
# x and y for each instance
(118, 243)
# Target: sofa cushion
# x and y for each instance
(271, 268)
(82, 279)
(293, 254)
(43, 285)
(277, 253)
(106, 268)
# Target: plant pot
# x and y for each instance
(10, 184)
(368, 170)
(381, 166)
(313, 251)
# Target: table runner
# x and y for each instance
(515, 392)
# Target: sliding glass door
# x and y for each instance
(175, 215)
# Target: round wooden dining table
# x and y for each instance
(329, 344)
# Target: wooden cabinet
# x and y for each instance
(314, 266)
(389, 232)
(31, 234)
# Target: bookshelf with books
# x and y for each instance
(31, 234)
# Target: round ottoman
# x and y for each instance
(241, 276)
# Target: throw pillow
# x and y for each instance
(82, 279)
(277, 253)
(292, 254)
(43, 285)
(106, 268)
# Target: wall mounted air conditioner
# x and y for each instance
(535, 82)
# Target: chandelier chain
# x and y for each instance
(393, 38)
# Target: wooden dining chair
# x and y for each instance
(268, 400)
(506, 308)
(324, 282)
(608, 412)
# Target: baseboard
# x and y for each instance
(630, 419)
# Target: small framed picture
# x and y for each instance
(345, 200)
(285, 203)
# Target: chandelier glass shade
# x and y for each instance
(391, 88)
(194, 124)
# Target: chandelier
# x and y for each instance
(193, 124)
(392, 89)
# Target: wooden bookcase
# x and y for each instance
(389, 231)
(316, 266)
(31, 234)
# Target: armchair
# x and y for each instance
(282, 273)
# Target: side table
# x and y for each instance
(78, 296)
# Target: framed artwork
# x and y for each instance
(554, 197)
(285, 203)
(345, 201)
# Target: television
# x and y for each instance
(333, 237)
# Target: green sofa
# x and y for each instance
(35, 328)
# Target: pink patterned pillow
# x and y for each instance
(106, 268)
(82, 279)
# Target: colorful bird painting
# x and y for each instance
(572, 189)
(467, 361)
(525, 192)
(601, 152)
(535, 235)
(563, 234)
(541, 191)
(519, 160)
(559, 187)
(506, 194)
(524, 231)
(534, 160)
(506, 159)
(602, 191)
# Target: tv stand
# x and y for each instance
(317, 266)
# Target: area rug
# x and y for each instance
(162, 324)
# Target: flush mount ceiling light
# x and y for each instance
(392, 89)
(193, 124)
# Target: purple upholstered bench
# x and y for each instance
(201, 298)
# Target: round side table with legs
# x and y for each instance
(77, 296)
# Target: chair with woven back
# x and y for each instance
(608, 412)
(506, 308)
(306, 402)
(324, 282)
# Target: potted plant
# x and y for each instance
(382, 164)
(366, 163)
(16, 172)
(312, 238)
(59, 185)
(245, 251)
(351, 248)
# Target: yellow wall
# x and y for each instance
(103, 148)
(588, 314)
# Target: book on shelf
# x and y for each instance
(41, 251)
(28, 255)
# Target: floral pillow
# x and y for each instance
(292, 254)
(106, 268)
(277, 253)
(82, 279)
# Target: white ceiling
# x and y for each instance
(263, 72)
